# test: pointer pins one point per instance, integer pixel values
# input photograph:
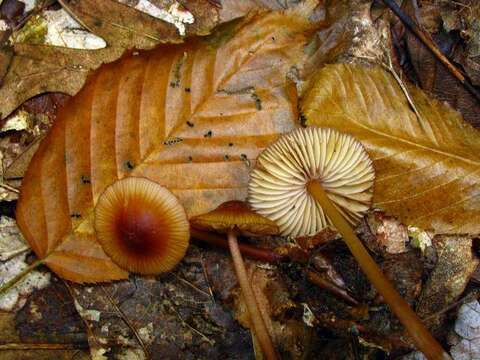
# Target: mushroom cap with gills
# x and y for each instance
(278, 184)
(235, 216)
(142, 226)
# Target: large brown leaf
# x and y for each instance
(427, 170)
(191, 117)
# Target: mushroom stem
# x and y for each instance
(422, 338)
(256, 318)
(253, 252)
(12, 282)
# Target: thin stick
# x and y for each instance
(247, 250)
(42, 346)
(127, 322)
(198, 332)
(256, 318)
(10, 188)
(318, 280)
(205, 275)
(186, 282)
(431, 46)
(422, 338)
(12, 282)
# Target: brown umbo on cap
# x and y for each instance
(236, 216)
(278, 184)
(142, 226)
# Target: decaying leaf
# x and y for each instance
(466, 339)
(191, 117)
(455, 264)
(174, 315)
(427, 168)
(290, 335)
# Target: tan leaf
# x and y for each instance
(192, 118)
(427, 170)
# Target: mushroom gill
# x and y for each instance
(278, 186)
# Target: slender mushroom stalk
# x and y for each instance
(232, 218)
(142, 226)
(314, 177)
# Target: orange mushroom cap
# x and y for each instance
(142, 226)
(236, 216)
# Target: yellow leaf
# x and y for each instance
(427, 168)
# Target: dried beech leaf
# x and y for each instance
(427, 170)
(36, 69)
(192, 118)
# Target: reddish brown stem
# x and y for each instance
(318, 280)
(256, 318)
(422, 338)
(246, 250)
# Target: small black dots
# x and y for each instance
(129, 165)
(172, 141)
(85, 179)
(190, 159)
(230, 144)
(187, 89)
(75, 215)
(226, 157)
(208, 134)
(189, 123)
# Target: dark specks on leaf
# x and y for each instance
(303, 120)
(258, 102)
(85, 179)
(75, 215)
(230, 144)
(189, 123)
(190, 159)
(187, 89)
(128, 165)
(208, 134)
(245, 159)
(173, 141)
(226, 157)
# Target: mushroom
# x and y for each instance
(235, 218)
(313, 177)
(141, 225)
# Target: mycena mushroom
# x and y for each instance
(313, 177)
(142, 226)
(235, 218)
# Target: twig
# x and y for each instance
(205, 275)
(127, 322)
(12, 282)
(389, 67)
(316, 279)
(42, 346)
(246, 250)
(192, 285)
(413, 27)
(184, 323)
(9, 188)
(469, 297)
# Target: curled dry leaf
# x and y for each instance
(427, 168)
(190, 117)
